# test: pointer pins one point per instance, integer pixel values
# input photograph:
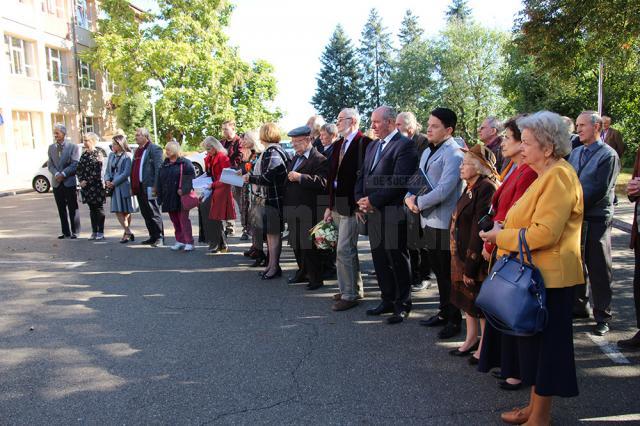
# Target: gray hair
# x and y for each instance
(352, 113)
(144, 132)
(330, 128)
(595, 117)
(253, 137)
(550, 130)
(211, 142)
(60, 127)
(410, 121)
(570, 125)
(494, 123)
(174, 147)
(388, 113)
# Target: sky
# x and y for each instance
(292, 34)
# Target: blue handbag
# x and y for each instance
(513, 297)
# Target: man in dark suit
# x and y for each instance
(329, 135)
(307, 182)
(343, 172)
(380, 190)
(407, 124)
(144, 183)
(62, 163)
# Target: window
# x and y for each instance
(90, 125)
(83, 15)
(54, 7)
(56, 66)
(23, 134)
(21, 56)
(85, 76)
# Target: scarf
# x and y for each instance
(135, 169)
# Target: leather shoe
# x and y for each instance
(601, 329)
(449, 331)
(297, 279)
(458, 352)
(343, 305)
(62, 237)
(382, 308)
(434, 321)
(314, 286)
(337, 296)
(148, 242)
(633, 343)
(515, 416)
(397, 318)
(503, 384)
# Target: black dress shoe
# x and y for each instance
(397, 318)
(382, 308)
(314, 286)
(276, 274)
(297, 279)
(632, 343)
(148, 242)
(601, 329)
(450, 330)
(458, 352)
(73, 236)
(503, 384)
(434, 321)
(62, 237)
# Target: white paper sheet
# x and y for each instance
(202, 182)
(231, 177)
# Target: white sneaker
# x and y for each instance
(188, 247)
(177, 246)
(92, 237)
(99, 236)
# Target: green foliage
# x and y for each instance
(376, 55)
(410, 31)
(339, 79)
(458, 10)
(201, 79)
(135, 112)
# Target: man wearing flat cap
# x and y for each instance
(306, 186)
(441, 164)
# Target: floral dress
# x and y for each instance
(90, 170)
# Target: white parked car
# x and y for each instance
(198, 161)
(42, 178)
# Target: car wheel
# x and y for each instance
(198, 169)
(41, 184)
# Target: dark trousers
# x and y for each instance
(96, 213)
(420, 265)
(437, 241)
(310, 262)
(67, 203)
(597, 262)
(151, 213)
(636, 282)
(388, 240)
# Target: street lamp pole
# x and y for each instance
(154, 86)
(155, 127)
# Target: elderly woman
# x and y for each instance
(217, 206)
(250, 148)
(551, 212)
(175, 179)
(468, 267)
(89, 174)
(328, 135)
(270, 175)
(499, 349)
(117, 181)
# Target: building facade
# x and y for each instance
(43, 81)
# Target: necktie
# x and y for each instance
(59, 150)
(381, 143)
(297, 163)
(343, 150)
(584, 157)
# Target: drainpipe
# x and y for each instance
(74, 22)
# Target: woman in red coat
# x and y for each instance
(216, 207)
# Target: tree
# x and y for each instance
(410, 31)
(412, 84)
(375, 55)
(458, 10)
(133, 113)
(338, 83)
(468, 63)
(201, 79)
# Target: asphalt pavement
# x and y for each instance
(105, 333)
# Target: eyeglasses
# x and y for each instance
(341, 119)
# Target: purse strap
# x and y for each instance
(524, 247)
(180, 183)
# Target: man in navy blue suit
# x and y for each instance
(380, 189)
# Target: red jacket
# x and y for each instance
(222, 207)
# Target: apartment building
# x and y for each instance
(43, 82)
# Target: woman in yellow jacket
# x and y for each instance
(551, 211)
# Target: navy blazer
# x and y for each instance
(386, 184)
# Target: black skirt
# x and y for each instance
(546, 360)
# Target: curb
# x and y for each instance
(16, 192)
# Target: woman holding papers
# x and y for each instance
(217, 206)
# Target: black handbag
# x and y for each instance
(513, 297)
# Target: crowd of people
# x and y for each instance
(432, 208)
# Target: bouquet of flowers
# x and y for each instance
(324, 235)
